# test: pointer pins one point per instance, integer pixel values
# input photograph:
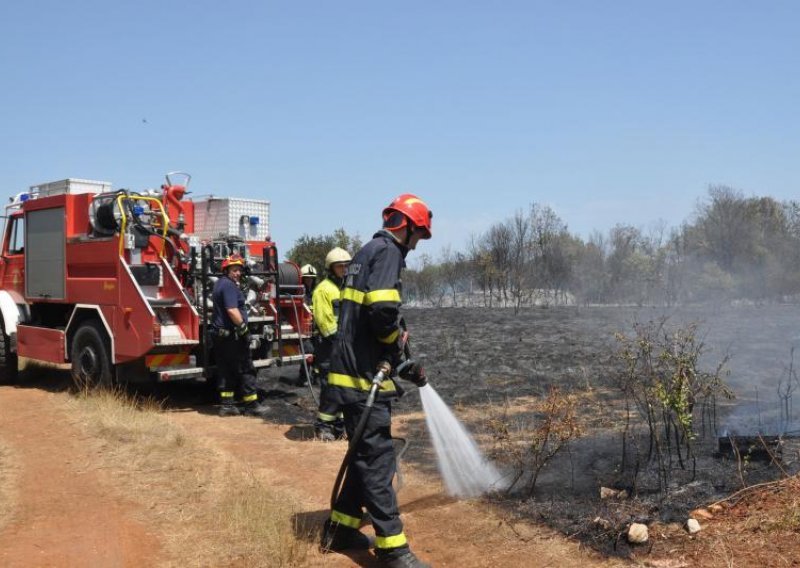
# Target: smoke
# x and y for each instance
(762, 342)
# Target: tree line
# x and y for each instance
(733, 247)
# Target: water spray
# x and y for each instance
(464, 469)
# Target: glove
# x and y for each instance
(242, 331)
(415, 373)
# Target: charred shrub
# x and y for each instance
(673, 399)
(527, 442)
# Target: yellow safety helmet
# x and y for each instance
(231, 261)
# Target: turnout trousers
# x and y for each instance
(235, 370)
(329, 413)
(368, 481)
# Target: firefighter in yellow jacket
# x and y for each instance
(368, 341)
(325, 301)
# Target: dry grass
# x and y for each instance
(209, 510)
(8, 473)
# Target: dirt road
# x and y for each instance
(69, 512)
(442, 530)
(66, 511)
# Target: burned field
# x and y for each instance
(496, 369)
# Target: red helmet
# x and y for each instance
(410, 208)
(232, 260)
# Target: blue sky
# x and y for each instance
(608, 112)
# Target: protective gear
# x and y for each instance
(255, 408)
(308, 271)
(243, 332)
(326, 302)
(368, 481)
(324, 434)
(329, 425)
(368, 320)
(337, 537)
(369, 327)
(235, 370)
(408, 207)
(227, 404)
(405, 560)
(232, 260)
(229, 410)
(337, 255)
(414, 373)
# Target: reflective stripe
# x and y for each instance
(353, 295)
(250, 397)
(391, 338)
(359, 297)
(326, 417)
(345, 520)
(226, 394)
(335, 379)
(391, 541)
(388, 295)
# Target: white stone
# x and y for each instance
(638, 533)
(602, 523)
(609, 493)
(693, 526)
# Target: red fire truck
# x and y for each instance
(118, 284)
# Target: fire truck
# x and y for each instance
(116, 284)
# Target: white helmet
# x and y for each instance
(335, 256)
(308, 271)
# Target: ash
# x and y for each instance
(483, 359)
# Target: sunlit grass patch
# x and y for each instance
(210, 510)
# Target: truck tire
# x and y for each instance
(89, 353)
(8, 359)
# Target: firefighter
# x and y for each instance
(369, 339)
(231, 339)
(309, 276)
(329, 425)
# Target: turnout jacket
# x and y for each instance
(369, 317)
(325, 303)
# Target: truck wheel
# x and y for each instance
(91, 364)
(8, 359)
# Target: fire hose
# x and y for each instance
(306, 370)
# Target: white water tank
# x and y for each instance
(231, 216)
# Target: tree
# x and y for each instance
(453, 270)
(313, 249)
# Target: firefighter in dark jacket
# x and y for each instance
(231, 338)
(308, 275)
(326, 301)
(369, 340)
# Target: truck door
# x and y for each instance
(12, 261)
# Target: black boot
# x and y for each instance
(324, 434)
(401, 559)
(227, 406)
(228, 409)
(337, 537)
(256, 409)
